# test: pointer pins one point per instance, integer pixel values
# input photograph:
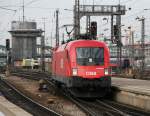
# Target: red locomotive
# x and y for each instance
(83, 67)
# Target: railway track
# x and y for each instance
(97, 108)
(107, 108)
(94, 107)
(23, 101)
(102, 107)
(31, 74)
(131, 111)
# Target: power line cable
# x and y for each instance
(126, 1)
(135, 14)
(7, 9)
(29, 3)
(44, 8)
(32, 1)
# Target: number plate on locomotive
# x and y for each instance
(90, 73)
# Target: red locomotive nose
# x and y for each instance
(81, 63)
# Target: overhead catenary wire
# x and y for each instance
(127, 1)
(32, 1)
(23, 7)
(3, 30)
(7, 9)
(85, 1)
(15, 11)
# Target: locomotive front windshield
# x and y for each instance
(90, 56)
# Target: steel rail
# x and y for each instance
(76, 101)
(28, 76)
(127, 109)
(102, 110)
(113, 108)
(110, 108)
(86, 106)
(36, 106)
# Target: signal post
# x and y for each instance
(8, 59)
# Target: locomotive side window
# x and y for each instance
(90, 56)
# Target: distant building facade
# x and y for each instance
(133, 53)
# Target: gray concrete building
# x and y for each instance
(24, 36)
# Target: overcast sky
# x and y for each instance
(36, 10)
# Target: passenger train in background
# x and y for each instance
(83, 67)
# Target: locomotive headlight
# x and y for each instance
(106, 71)
(74, 71)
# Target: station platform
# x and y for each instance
(133, 92)
(9, 109)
